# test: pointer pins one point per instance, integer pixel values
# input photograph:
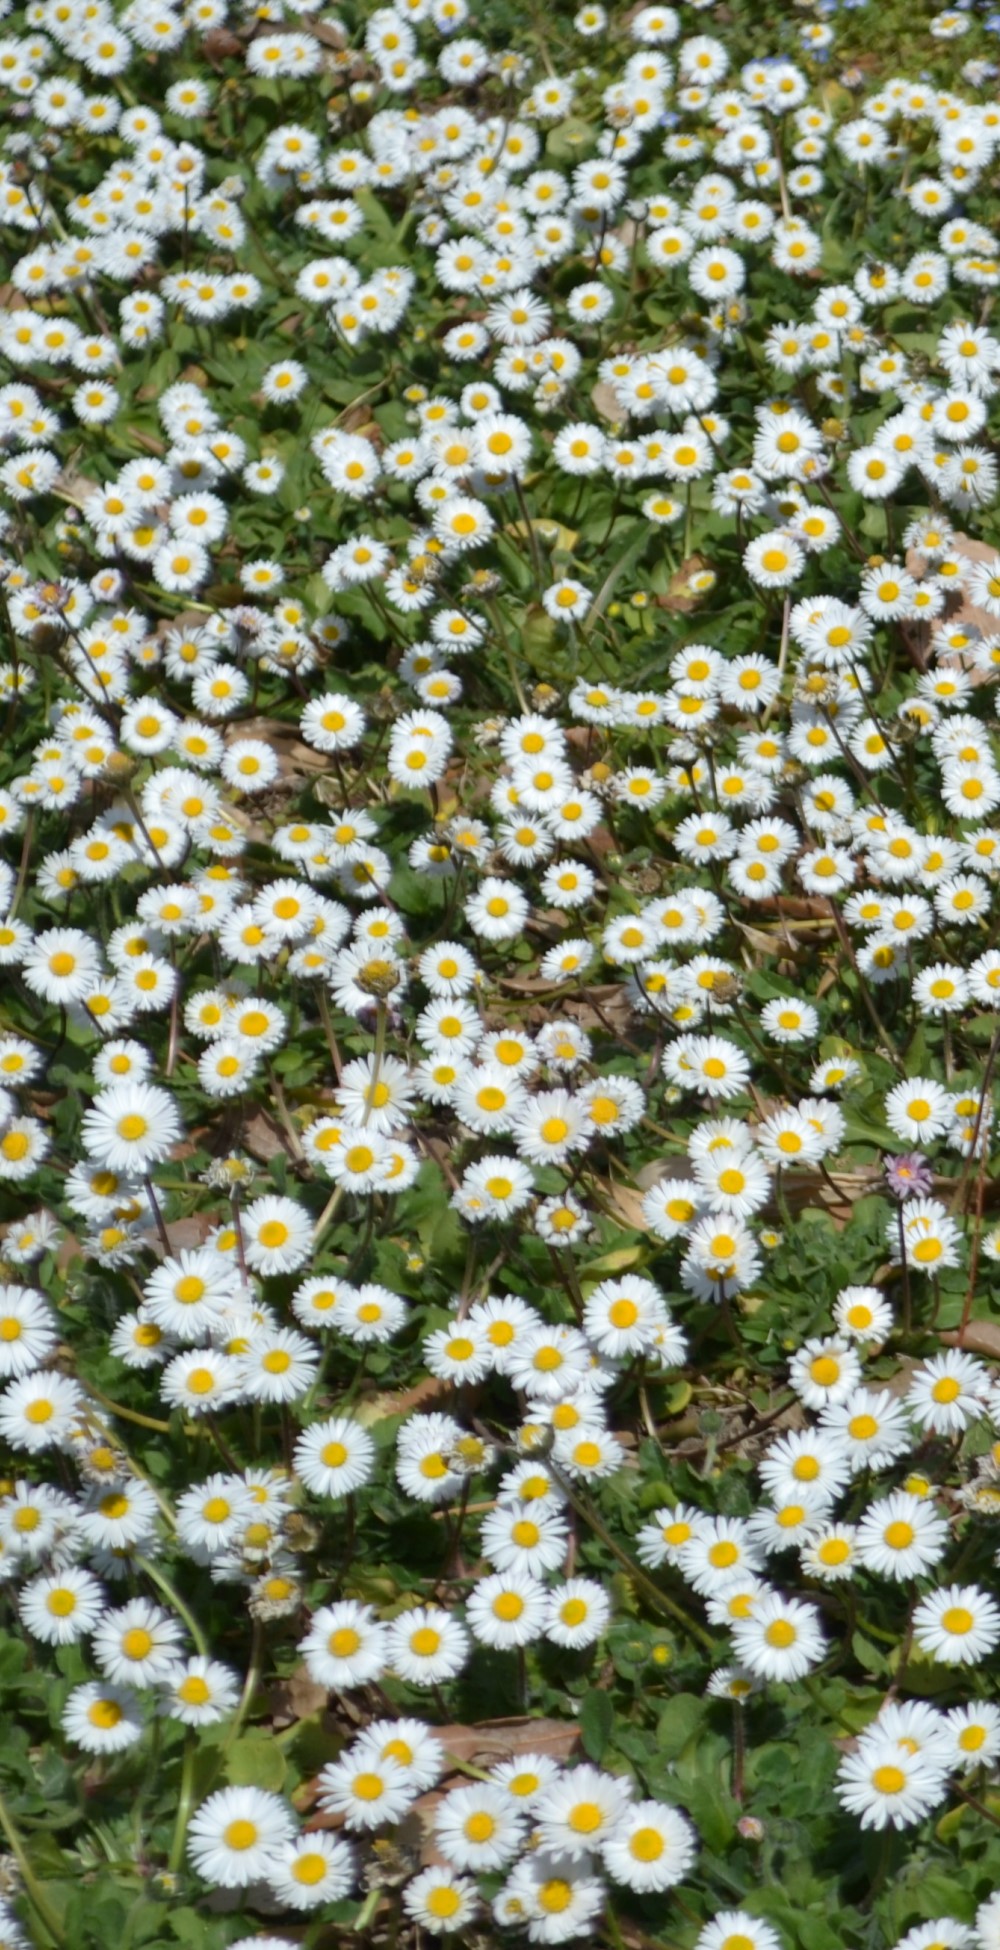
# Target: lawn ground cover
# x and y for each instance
(500, 939)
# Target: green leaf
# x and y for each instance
(256, 1761)
(868, 1655)
(679, 1721)
(597, 1719)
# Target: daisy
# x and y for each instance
(579, 1613)
(782, 1640)
(871, 1427)
(276, 1235)
(652, 1848)
(131, 1127)
(479, 1828)
(314, 1869)
(514, 1540)
(38, 1410)
(948, 1393)
(862, 1313)
(201, 1382)
(824, 1371)
(811, 1463)
(27, 1332)
(901, 1536)
(507, 1610)
(363, 1793)
(138, 1644)
(200, 1692)
(426, 1646)
(346, 1646)
(409, 1743)
(372, 1314)
(886, 1786)
(186, 1293)
(278, 1365)
(957, 1624)
(620, 1315)
(734, 1929)
(335, 1457)
(918, 1110)
(439, 1901)
(61, 1607)
(424, 1448)
(556, 1895)
(102, 1719)
(493, 1188)
(234, 1835)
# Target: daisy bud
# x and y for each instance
(378, 978)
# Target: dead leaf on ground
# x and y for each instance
(376, 1407)
(190, 1232)
(492, 1741)
(959, 612)
(625, 1203)
(263, 1139)
(980, 1337)
(296, 1698)
(680, 598)
(328, 32)
(606, 401)
(219, 45)
(296, 760)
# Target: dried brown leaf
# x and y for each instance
(979, 1337)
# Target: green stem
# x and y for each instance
(32, 1887)
(184, 1801)
(660, 1599)
(174, 1599)
(249, 1687)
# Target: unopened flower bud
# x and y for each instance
(378, 977)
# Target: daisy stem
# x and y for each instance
(249, 1687)
(738, 1752)
(974, 1802)
(174, 1599)
(33, 1891)
(782, 660)
(283, 1112)
(568, 1275)
(977, 1234)
(330, 1034)
(880, 1029)
(157, 1214)
(184, 1801)
(811, 1685)
(327, 1214)
(532, 537)
(885, 1857)
(381, 1022)
(615, 1937)
(234, 1206)
(905, 1265)
(132, 803)
(129, 1414)
(172, 1036)
(368, 1908)
(22, 875)
(510, 660)
(659, 1599)
(983, 1090)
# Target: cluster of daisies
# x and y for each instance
(439, 977)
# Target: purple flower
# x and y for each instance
(909, 1176)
